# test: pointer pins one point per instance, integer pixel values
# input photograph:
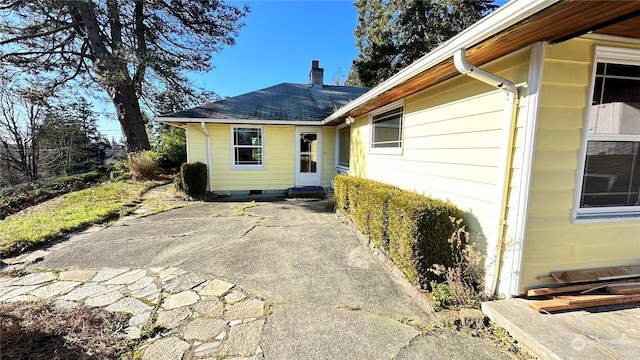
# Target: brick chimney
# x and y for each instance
(316, 75)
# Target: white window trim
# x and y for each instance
(613, 213)
(387, 151)
(343, 169)
(233, 153)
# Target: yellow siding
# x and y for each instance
(553, 242)
(196, 144)
(279, 156)
(359, 147)
(277, 174)
(451, 143)
(328, 155)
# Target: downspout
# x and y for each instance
(209, 169)
(494, 259)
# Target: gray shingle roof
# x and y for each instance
(293, 102)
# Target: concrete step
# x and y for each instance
(542, 334)
(310, 192)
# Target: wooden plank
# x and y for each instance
(550, 305)
(624, 290)
(559, 290)
(586, 275)
(545, 278)
(589, 299)
(606, 285)
(572, 302)
(616, 277)
(582, 288)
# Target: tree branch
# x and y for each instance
(39, 35)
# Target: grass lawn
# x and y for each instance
(67, 213)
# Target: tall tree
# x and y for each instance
(71, 139)
(375, 42)
(353, 78)
(23, 118)
(392, 34)
(129, 48)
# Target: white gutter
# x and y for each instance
(504, 17)
(209, 168)
(505, 158)
(534, 86)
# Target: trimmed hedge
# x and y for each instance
(412, 229)
(193, 178)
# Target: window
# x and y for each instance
(344, 147)
(386, 130)
(308, 152)
(610, 182)
(247, 148)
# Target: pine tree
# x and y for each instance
(392, 34)
(128, 48)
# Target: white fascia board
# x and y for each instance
(503, 18)
(239, 121)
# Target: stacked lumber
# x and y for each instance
(578, 289)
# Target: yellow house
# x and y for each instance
(528, 121)
(272, 139)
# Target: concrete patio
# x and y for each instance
(605, 332)
(328, 297)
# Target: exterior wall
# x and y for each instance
(451, 141)
(196, 144)
(359, 147)
(328, 155)
(279, 158)
(553, 241)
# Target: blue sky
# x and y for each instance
(278, 42)
(276, 45)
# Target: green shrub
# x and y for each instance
(358, 211)
(340, 193)
(94, 176)
(120, 170)
(171, 146)
(419, 230)
(178, 181)
(412, 229)
(194, 178)
(379, 215)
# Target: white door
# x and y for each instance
(308, 157)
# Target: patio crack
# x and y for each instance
(255, 225)
(411, 341)
(280, 226)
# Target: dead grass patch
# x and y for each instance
(39, 331)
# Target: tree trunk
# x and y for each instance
(113, 76)
(35, 151)
(128, 110)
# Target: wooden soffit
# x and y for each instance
(560, 22)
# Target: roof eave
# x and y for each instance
(182, 120)
(501, 19)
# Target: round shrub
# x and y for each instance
(194, 178)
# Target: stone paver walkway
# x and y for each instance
(204, 318)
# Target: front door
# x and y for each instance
(308, 157)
